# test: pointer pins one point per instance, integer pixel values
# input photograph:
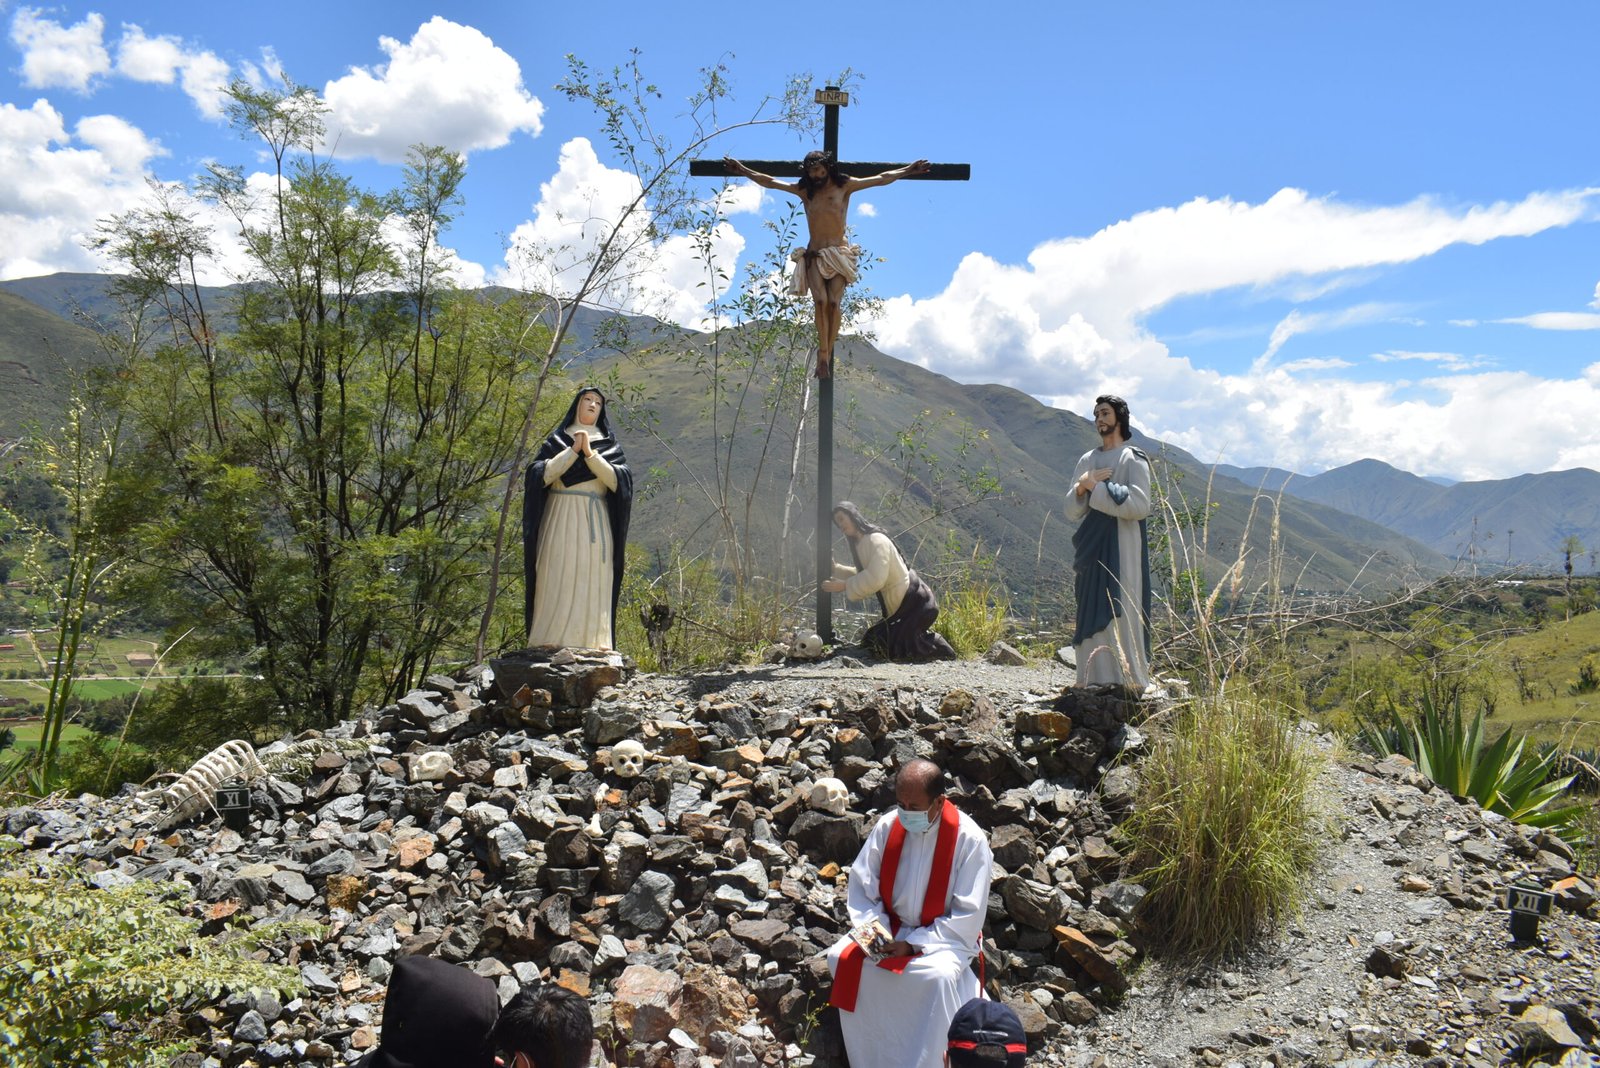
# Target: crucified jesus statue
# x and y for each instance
(828, 262)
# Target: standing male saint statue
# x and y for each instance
(924, 875)
(1111, 554)
(828, 262)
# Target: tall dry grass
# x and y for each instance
(1228, 825)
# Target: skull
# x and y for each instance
(432, 766)
(627, 759)
(830, 795)
(806, 647)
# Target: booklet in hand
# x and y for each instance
(873, 938)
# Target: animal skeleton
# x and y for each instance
(195, 788)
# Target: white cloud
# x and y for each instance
(57, 56)
(1070, 323)
(268, 74)
(449, 85)
(1316, 363)
(165, 59)
(1557, 320)
(866, 209)
(1298, 322)
(55, 185)
(577, 208)
(1450, 361)
(741, 198)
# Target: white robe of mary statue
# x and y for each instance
(900, 1020)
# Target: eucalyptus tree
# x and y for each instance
(318, 454)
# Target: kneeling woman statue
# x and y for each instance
(909, 606)
(579, 498)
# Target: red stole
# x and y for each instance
(847, 981)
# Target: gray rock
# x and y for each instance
(647, 905)
(484, 817)
(318, 980)
(250, 1028)
(1005, 654)
(347, 809)
(1033, 904)
(339, 862)
(505, 841)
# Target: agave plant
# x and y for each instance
(1449, 748)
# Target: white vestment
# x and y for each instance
(1115, 655)
(572, 599)
(882, 571)
(900, 1021)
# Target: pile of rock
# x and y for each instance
(686, 887)
(650, 842)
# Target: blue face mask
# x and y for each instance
(914, 820)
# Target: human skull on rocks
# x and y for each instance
(627, 759)
(830, 795)
(806, 647)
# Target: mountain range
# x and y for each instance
(1507, 522)
(908, 441)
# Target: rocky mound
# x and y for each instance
(486, 823)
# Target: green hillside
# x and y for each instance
(1543, 667)
(905, 439)
(39, 354)
(909, 444)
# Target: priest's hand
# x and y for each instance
(898, 948)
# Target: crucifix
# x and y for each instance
(824, 267)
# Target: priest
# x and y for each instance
(923, 875)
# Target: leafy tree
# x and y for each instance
(316, 456)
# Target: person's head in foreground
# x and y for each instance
(919, 793)
(436, 1015)
(546, 1026)
(985, 1034)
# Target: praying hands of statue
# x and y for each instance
(1086, 483)
(580, 442)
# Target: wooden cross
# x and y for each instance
(832, 98)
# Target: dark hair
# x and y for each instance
(1119, 406)
(548, 1023)
(863, 527)
(835, 175)
(926, 774)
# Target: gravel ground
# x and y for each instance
(1411, 879)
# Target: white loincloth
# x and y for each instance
(835, 260)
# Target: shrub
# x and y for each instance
(1449, 748)
(1588, 676)
(86, 974)
(973, 617)
(1228, 824)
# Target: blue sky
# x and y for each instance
(1290, 234)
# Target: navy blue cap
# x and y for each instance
(987, 1034)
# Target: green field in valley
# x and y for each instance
(1537, 674)
(28, 735)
